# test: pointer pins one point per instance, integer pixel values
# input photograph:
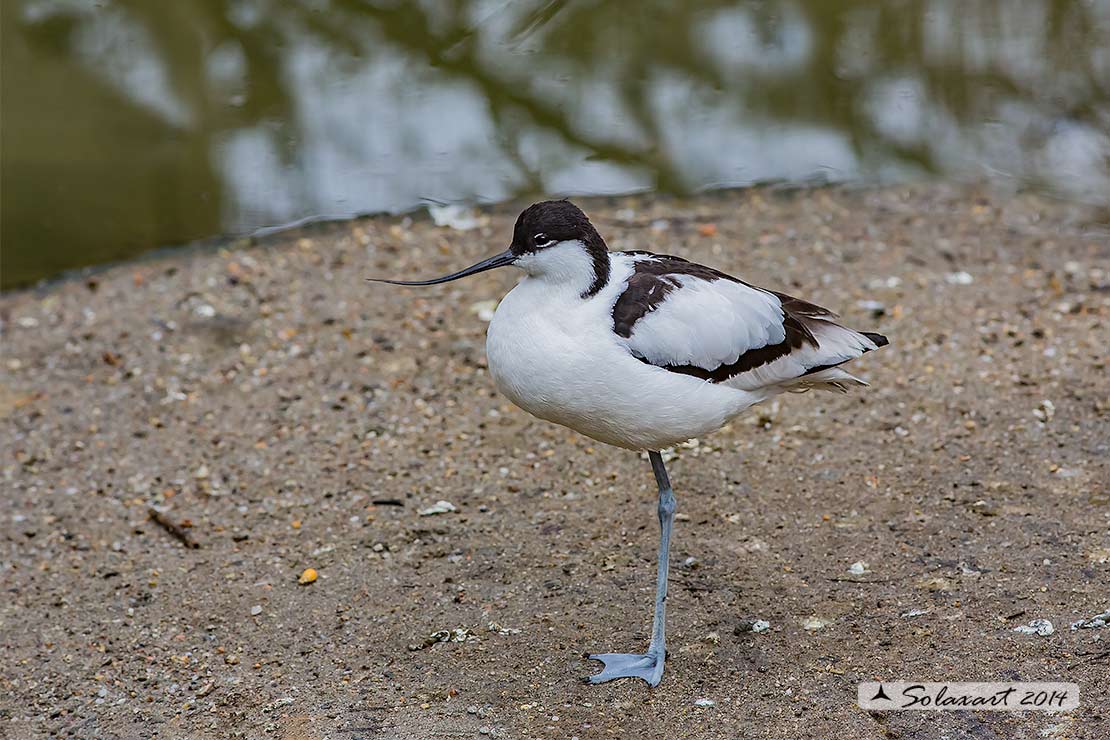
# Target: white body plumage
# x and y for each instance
(555, 353)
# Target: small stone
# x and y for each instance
(1045, 411)
(936, 583)
(751, 625)
(1041, 627)
(875, 308)
(439, 507)
(256, 610)
(959, 278)
(858, 568)
(983, 508)
(703, 702)
(1098, 621)
(484, 310)
(459, 218)
(812, 624)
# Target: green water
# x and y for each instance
(133, 124)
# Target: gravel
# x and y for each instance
(261, 397)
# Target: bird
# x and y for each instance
(644, 351)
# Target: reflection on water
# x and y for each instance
(129, 124)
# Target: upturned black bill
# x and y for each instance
(499, 260)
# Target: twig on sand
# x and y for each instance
(1091, 658)
(861, 581)
(173, 528)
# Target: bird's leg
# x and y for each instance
(649, 665)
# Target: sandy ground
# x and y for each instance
(290, 416)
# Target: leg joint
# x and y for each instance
(667, 504)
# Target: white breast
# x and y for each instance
(555, 355)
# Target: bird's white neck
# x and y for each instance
(568, 267)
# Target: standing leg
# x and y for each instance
(649, 665)
(666, 523)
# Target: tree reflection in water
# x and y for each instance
(151, 123)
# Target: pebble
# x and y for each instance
(1045, 411)
(751, 625)
(484, 310)
(439, 507)
(812, 624)
(858, 568)
(959, 278)
(256, 610)
(703, 702)
(888, 282)
(459, 218)
(1096, 622)
(875, 308)
(1041, 627)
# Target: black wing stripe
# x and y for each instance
(797, 334)
(655, 278)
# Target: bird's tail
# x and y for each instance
(836, 345)
(816, 363)
(829, 379)
(878, 339)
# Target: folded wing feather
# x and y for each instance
(691, 319)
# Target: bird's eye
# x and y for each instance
(541, 240)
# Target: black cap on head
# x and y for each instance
(541, 225)
(551, 221)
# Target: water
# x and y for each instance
(132, 124)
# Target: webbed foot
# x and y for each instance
(648, 666)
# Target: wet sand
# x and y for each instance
(281, 414)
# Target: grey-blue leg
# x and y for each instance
(649, 665)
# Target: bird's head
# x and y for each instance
(553, 240)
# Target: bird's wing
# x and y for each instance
(692, 319)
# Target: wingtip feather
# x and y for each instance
(878, 339)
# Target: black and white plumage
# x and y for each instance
(692, 319)
(588, 334)
(644, 350)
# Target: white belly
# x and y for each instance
(560, 361)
